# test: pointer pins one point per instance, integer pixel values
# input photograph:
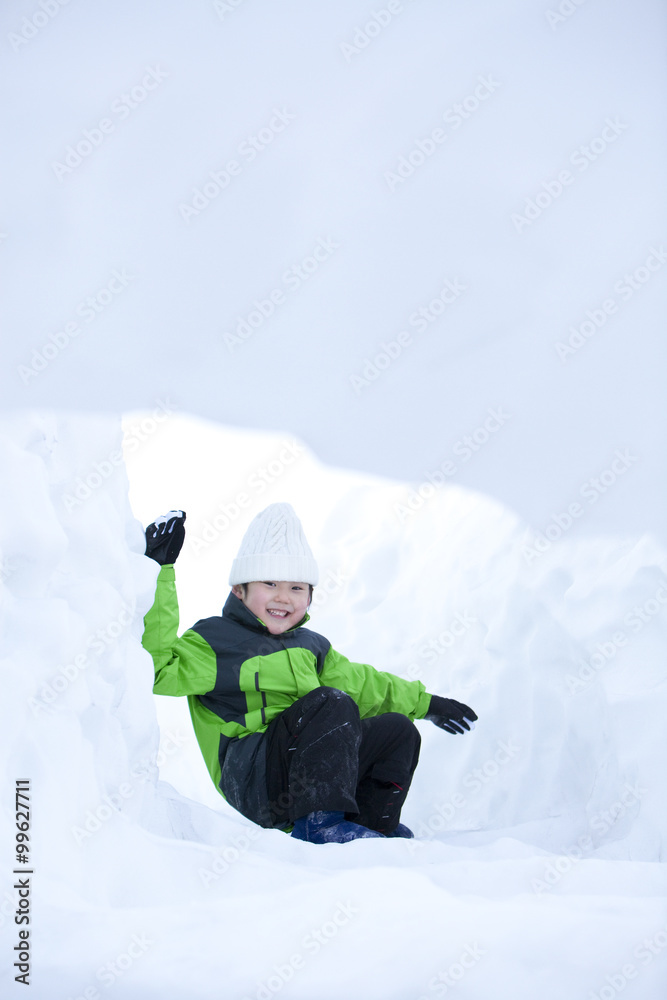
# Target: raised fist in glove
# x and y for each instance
(450, 715)
(165, 536)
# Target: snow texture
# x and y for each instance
(401, 265)
(535, 869)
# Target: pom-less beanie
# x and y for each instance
(274, 548)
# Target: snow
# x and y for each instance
(486, 505)
(539, 835)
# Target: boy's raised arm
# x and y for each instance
(186, 665)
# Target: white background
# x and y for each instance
(552, 867)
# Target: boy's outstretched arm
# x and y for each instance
(376, 692)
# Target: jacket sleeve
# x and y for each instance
(182, 666)
(374, 691)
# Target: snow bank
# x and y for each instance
(542, 882)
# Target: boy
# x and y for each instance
(294, 735)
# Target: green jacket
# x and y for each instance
(238, 677)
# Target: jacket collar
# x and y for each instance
(235, 609)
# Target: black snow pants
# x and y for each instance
(321, 756)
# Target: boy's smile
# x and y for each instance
(280, 605)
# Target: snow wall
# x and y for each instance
(141, 888)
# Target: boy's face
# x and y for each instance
(279, 604)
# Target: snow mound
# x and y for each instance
(535, 832)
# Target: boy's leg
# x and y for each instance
(312, 756)
(388, 756)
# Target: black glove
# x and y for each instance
(165, 536)
(450, 715)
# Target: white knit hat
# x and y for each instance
(274, 548)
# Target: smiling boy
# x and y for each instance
(293, 733)
(280, 605)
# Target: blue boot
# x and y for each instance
(401, 831)
(329, 828)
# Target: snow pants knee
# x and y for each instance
(321, 755)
